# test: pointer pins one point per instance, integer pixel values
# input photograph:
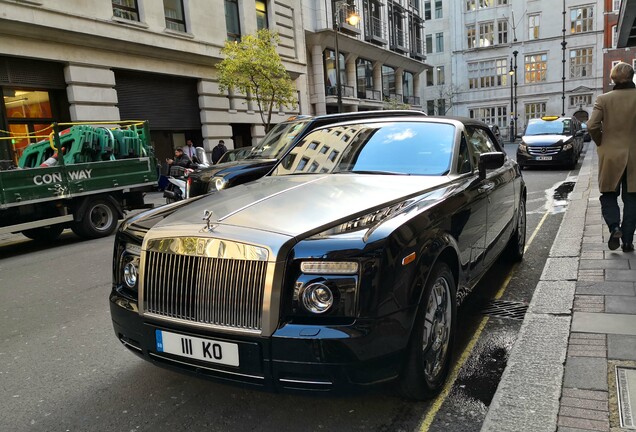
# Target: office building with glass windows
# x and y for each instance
(372, 61)
(505, 62)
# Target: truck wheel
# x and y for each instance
(44, 234)
(98, 220)
(429, 352)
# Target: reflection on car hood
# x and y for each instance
(296, 204)
(227, 167)
(543, 140)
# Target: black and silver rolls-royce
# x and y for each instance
(343, 267)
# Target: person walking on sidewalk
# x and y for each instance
(613, 129)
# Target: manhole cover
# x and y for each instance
(626, 389)
(504, 309)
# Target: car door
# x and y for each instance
(499, 188)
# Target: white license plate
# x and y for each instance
(208, 350)
(544, 157)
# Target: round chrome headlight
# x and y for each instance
(219, 183)
(131, 273)
(317, 298)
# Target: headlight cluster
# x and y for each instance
(567, 146)
(219, 183)
(326, 289)
(523, 147)
(128, 272)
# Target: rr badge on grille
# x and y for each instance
(201, 247)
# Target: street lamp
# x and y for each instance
(514, 53)
(353, 19)
(512, 112)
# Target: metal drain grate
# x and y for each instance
(504, 309)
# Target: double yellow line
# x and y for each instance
(436, 405)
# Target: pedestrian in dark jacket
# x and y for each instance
(180, 159)
(218, 151)
(613, 128)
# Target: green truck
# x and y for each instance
(83, 177)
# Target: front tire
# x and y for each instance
(428, 357)
(98, 220)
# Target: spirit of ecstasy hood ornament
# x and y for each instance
(207, 216)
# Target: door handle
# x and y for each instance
(486, 187)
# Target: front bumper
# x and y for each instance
(561, 157)
(296, 357)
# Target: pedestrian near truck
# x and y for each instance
(218, 151)
(613, 129)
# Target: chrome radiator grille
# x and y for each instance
(215, 291)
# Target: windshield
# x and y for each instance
(277, 141)
(555, 127)
(379, 148)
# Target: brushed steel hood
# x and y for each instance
(295, 204)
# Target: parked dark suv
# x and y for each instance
(551, 140)
(278, 141)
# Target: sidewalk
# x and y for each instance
(580, 325)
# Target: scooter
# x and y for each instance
(176, 188)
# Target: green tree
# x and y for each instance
(254, 68)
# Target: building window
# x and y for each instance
(472, 5)
(486, 36)
(429, 44)
(580, 100)
(471, 36)
(396, 26)
(429, 78)
(502, 2)
(438, 9)
(407, 86)
(374, 26)
(582, 19)
(364, 78)
(439, 42)
(614, 35)
(533, 26)
(331, 82)
(430, 107)
(232, 20)
(261, 15)
(488, 73)
(175, 17)
(497, 115)
(388, 82)
(616, 5)
(126, 9)
(581, 62)
(502, 32)
(536, 67)
(534, 110)
(441, 80)
(441, 106)
(427, 9)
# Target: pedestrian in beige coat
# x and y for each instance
(613, 129)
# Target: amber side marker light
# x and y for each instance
(409, 258)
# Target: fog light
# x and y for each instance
(131, 272)
(317, 298)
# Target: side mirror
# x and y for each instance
(491, 160)
(519, 135)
